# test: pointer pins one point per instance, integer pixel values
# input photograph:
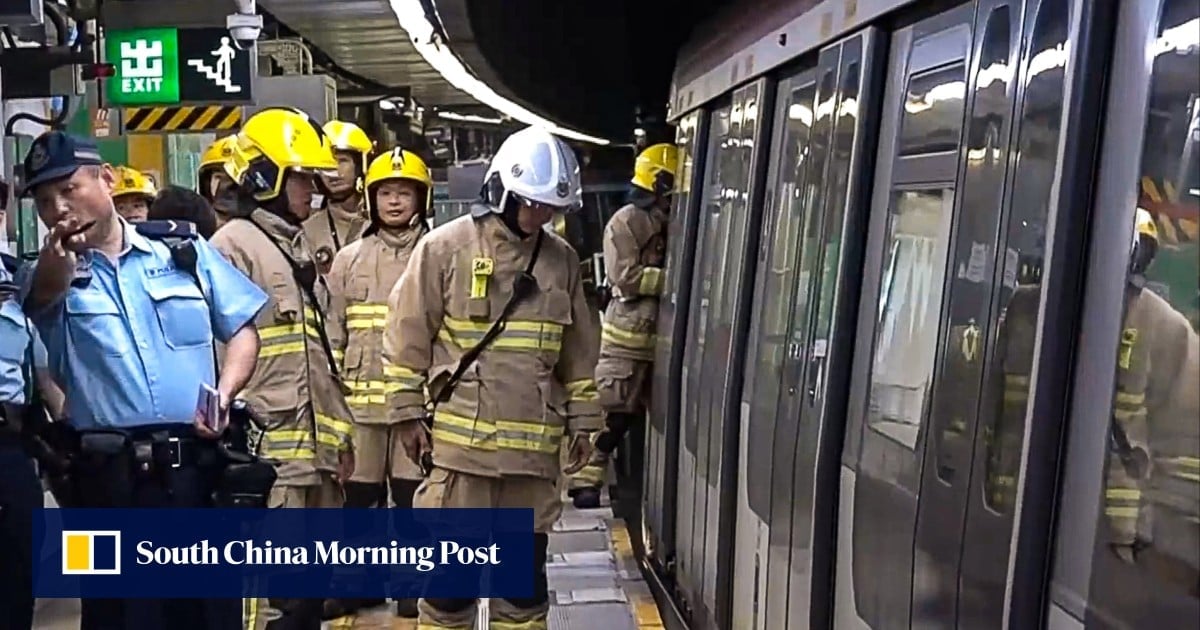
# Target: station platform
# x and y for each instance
(595, 583)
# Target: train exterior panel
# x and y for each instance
(909, 370)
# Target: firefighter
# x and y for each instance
(275, 162)
(498, 425)
(1154, 437)
(215, 184)
(398, 191)
(132, 194)
(342, 219)
(634, 249)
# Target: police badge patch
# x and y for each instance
(38, 156)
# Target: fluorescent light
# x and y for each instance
(470, 118)
(411, 16)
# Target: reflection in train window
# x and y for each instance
(933, 111)
(1020, 293)
(1146, 572)
(910, 299)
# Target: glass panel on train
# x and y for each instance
(933, 111)
(1146, 567)
(1024, 254)
(910, 298)
(791, 189)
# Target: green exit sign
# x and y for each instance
(147, 66)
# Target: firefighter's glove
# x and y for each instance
(580, 453)
(414, 435)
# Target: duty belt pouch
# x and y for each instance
(245, 481)
(103, 471)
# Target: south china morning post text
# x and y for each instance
(309, 553)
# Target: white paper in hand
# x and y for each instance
(208, 408)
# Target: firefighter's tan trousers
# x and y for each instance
(452, 489)
(623, 386)
(257, 613)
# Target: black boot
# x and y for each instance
(586, 498)
(406, 608)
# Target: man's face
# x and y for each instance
(133, 208)
(299, 188)
(86, 196)
(532, 216)
(220, 190)
(347, 173)
(396, 201)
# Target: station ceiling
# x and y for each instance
(590, 65)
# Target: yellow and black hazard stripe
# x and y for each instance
(182, 118)
(1178, 223)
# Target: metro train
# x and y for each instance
(900, 374)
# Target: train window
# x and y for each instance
(1025, 243)
(1146, 571)
(910, 298)
(933, 111)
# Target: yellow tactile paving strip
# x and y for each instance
(645, 609)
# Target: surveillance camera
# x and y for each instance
(244, 29)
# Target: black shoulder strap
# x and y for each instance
(524, 286)
(306, 281)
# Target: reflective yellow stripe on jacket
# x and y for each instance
(518, 335)
(299, 445)
(611, 334)
(284, 339)
(511, 435)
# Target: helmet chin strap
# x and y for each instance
(510, 214)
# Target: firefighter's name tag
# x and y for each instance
(481, 270)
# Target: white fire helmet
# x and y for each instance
(536, 166)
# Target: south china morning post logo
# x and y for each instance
(284, 553)
(91, 552)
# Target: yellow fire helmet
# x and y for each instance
(654, 169)
(217, 153)
(271, 143)
(129, 181)
(350, 138)
(1145, 224)
(398, 164)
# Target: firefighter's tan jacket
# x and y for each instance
(1154, 376)
(361, 280)
(509, 413)
(292, 384)
(329, 230)
(634, 249)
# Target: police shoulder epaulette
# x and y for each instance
(168, 229)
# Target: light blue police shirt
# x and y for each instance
(133, 344)
(14, 344)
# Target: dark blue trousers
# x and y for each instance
(20, 495)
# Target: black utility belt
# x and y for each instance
(145, 450)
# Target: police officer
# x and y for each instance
(20, 490)
(133, 193)
(215, 185)
(496, 433)
(276, 159)
(398, 199)
(130, 338)
(342, 219)
(634, 249)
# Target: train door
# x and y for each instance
(1127, 545)
(662, 431)
(763, 430)
(717, 328)
(912, 210)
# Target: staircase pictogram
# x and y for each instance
(214, 76)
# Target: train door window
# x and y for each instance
(1145, 571)
(910, 298)
(1015, 316)
(778, 292)
(933, 111)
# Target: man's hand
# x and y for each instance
(56, 262)
(415, 438)
(580, 453)
(65, 238)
